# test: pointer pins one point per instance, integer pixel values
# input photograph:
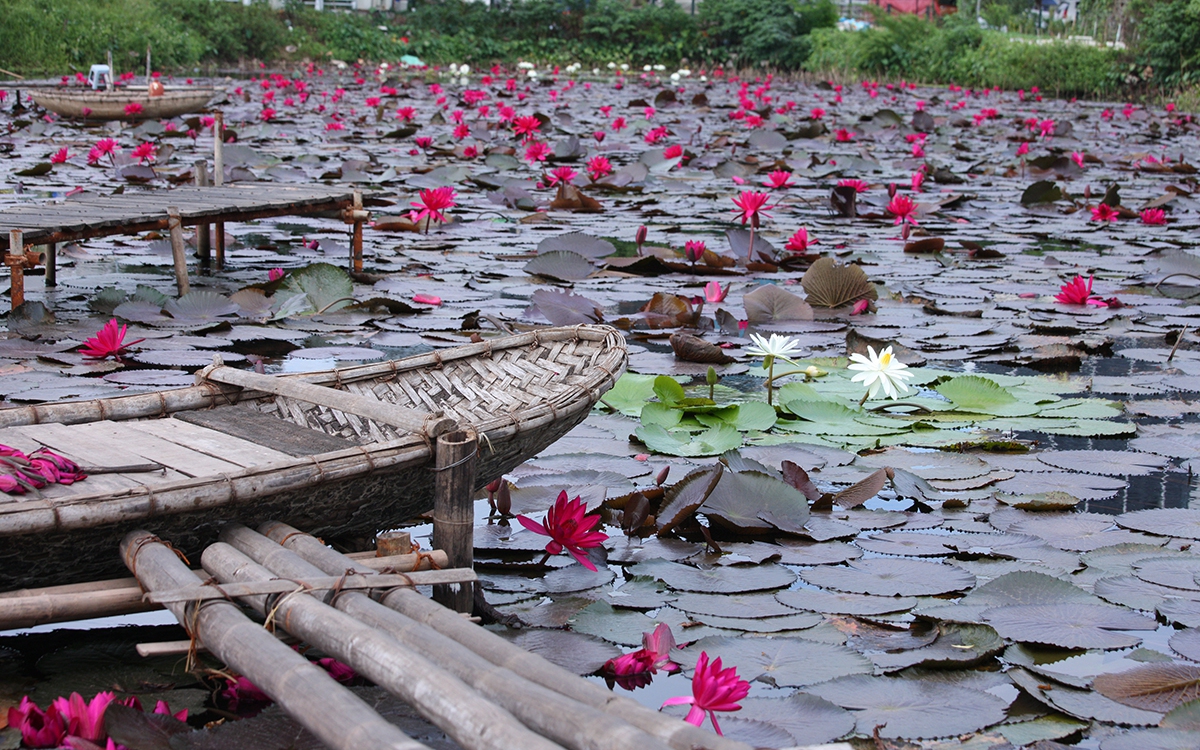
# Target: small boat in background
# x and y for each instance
(115, 104)
(340, 453)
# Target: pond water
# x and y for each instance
(1035, 532)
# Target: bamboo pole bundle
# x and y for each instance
(443, 699)
(25, 608)
(568, 722)
(493, 648)
(336, 716)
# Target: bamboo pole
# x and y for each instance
(503, 653)
(411, 420)
(175, 226)
(311, 584)
(306, 692)
(454, 511)
(566, 721)
(443, 699)
(26, 608)
(356, 233)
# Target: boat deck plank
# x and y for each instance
(75, 442)
(260, 428)
(211, 442)
(138, 443)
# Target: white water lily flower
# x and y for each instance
(782, 347)
(881, 370)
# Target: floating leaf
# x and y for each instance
(729, 579)
(752, 502)
(829, 284)
(575, 652)
(1178, 522)
(782, 662)
(913, 709)
(326, 287)
(1082, 704)
(592, 248)
(686, 495)
(563, 265)
(975, 393)
(1153, 687)
(1042, 191)
(862, 491)
(844, 604)
(957, 646)
(201, 306)
(808, 719)
(770, 304)
(566, 309)
(1068, 625)
(712, 442)
(891, 577)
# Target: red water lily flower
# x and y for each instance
(527, 127)
(599, 167)
(713, 689)
(568, 528)
(1105, 212)
(560, 174)
(779, 179)
(143, 153)
(109, 341)
(536, 151)
(60, 156)
(903, 208)
(38, 728)
(860, 186)
(433, 204)
(635, 669)
(799, 242)
(752, 206)
(1154, 216)
(714, 292)
(1075, 292)
(693, 250)
(133, 109)
(84, 718)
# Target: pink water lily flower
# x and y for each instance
(568, 528)
(433, 204)
(860, 186)
(713, 689)
(779, 179)
(1105, 212)
(903, 208)
(693, 250)
(752, 206)
(714, 292)
(800, 241)
(1154, 216)
(634, 670)
(84, 718)
(38, 728)
(1076, 292)
(599, 167)
(109, 341)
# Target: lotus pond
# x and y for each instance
(999, 557)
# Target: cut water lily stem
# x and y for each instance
(1178, 339)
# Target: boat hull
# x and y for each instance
(344, 494)
(111, 105)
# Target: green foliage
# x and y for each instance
(756, 32)
(1170, 41)
(958, 51)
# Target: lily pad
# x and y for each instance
(729, 579)
(1069, 625)
(891, 577)
(782, 662)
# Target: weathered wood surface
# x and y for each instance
(25, 608)
(249, 425)
(335, 715)
(568, 722)
(446, 701)
(499, 652)
(98, 216)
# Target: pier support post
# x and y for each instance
(15, 260)
(454, 512)
(51, 279)
(200, 170)
(357, 216)
(219, 181)
(175, 227)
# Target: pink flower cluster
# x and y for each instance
(70, 718)
(35, 471)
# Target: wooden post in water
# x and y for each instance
(15, 260)
(456, 709)
(51, 278)
(454, 511)
(200, 170)
(336, 716)
(356, 234)
(175, 227)
(219, 181)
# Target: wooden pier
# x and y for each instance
(100, 216)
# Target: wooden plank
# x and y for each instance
(71, 442)
(212, 442)
(152, 448)
(31, 437)
(250, 424)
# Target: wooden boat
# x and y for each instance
(110, 105)
(251, 454)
